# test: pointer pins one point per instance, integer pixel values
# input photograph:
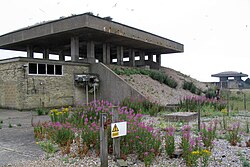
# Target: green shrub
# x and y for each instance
(48, 146)
(210, 93)
(155, 75)
(191, 87)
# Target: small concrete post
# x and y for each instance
(116, 141)
(199, 117)
(227, 102)
(103, 141)
(87, 92)
(245, 104)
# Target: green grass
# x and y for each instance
(236, 99)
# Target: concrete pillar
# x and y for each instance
(142, 58)
(30, 52)
(132, 57)
(108, 54)
(119, 55)
(91, 52)
(61, 56)
(104, 53)
(158, 59)
(46, 54)
(150, 57)
(74, 48)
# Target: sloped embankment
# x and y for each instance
(161, 93)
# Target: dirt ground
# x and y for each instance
(17, 143)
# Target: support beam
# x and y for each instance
(104, 53)
(142, 58)
(150, 57)
(46, 54)
(108, 54)
(74, 48)
(91, 52)
(158, 59)
(61, 56)
(119, 55)
(132, 57)
(30, 52)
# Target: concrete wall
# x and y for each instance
(112, 87)
(19, 90)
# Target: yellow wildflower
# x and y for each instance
(224, 111)
(60, 113)
(54, 111)
(65, 110)
(207, 152)
(196, 152)
(37, 142)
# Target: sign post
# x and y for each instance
(103, 141)
(116, 141)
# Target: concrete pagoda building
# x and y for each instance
(230, 79)
(90, 42)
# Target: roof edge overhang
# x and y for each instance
(78, 22)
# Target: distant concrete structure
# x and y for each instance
(84, 39)
(230, 79)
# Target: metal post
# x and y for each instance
(87, 93)
(199, 118)
(245, 104)
(227, 102)
(94, 93)
(103, 141)
(116, 141)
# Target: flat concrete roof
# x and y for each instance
(230, 74)
(57, 34)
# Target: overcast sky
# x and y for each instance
(215, 33)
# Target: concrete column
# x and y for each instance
(158, 59)
(46, 54)
(74, 48)
(119, 55)
(142, 58)
(108, 54)
(30, 52)
(104, 53)
(132, 57)
(61, 56)
(91, 52)
(150, 57)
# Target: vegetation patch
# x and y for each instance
(155, 75)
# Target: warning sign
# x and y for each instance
(115, 131)
(118, 129)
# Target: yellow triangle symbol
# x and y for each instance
(115, 129)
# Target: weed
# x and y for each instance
(19, 124)
(10, 126)
(1, 121)
(245, 162)
(48, 146)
